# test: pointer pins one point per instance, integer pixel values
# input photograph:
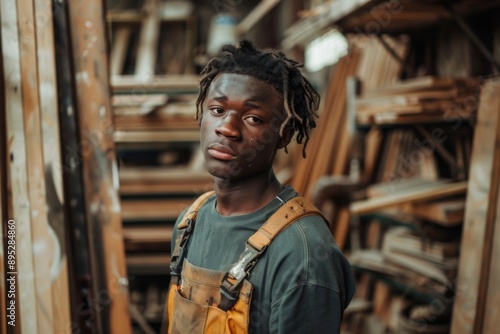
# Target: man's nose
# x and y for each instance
(229, 127)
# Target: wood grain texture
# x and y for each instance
(477, 289)
(4, 216)
(432, 192)
(42, 245)
(17, 169)
(45, 52)
(100, 176)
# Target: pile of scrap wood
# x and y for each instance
(419, 100)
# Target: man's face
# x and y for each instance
(240, 126)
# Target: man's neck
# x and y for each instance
(245, 196)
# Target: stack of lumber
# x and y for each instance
(419, 100)
(435, 260)
(330, 143)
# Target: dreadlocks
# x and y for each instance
(300, 100)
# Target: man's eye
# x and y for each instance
(217, 111)
(255, 120)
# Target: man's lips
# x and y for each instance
(221, 152)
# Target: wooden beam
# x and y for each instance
(145, 66)
(156, 136)
(80, 276)
(100, 172)
(17, 168)
(121, 40)
(130, 83)
(257, 13)
(4, 215)
(431, 192)
(475, 310)
(58, 269)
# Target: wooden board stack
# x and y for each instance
(419, 100)
(330, 143)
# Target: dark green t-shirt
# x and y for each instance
(301, 281)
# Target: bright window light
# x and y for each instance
(325, 50)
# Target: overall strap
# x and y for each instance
(293, 210)
(185, 228)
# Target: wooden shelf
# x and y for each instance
(148, 264)
(149, 209)
(377, 16)
(148, 181)
(156, 136)
(170, 84)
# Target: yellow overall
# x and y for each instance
(207, 301)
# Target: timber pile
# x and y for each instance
(408, 258)
(419, 100)
(331, 141)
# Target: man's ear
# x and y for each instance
(287, 136)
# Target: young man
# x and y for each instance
(254, 256)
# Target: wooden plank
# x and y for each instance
(438, 191)
(121, 137)
(492, 311)
(422, 84)
(145, 66)
(99, 169)
(4, 214)
(58, 268)
(148, 263)
(26, 309)
(403, 240)
(473, 310)
(334, 110)
(257, 13)
(446, 213)
(148, 234)
(303, 166)
(162, 175)
(165, 83)
(373, 143)
(144, 210)
(341, 227)
(119, 50)
(41, 246)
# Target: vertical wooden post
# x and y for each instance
(476, 307)
(17, 169)
(45, 52)
(100, 173)
(3, 196)
(41, 246)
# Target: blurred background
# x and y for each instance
(99, 153)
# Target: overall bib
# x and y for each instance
(207, 301)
